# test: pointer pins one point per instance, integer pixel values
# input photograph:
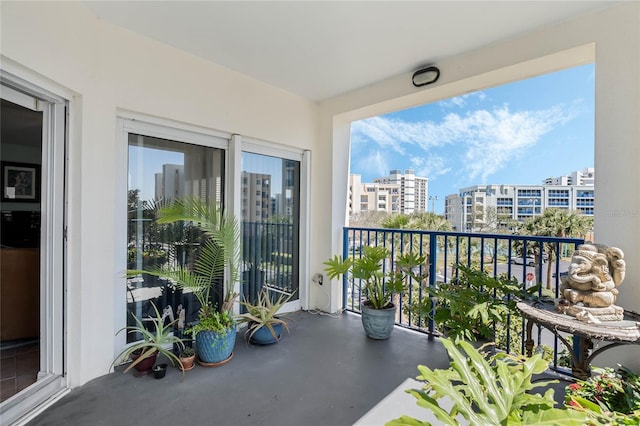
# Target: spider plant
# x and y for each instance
(152, 341)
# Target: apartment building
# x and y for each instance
(587, 176)
(372, 196)
(256, 197)
(413, 189)
(169, 183)
(484, 207)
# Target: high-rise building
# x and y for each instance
(256, 197)
(169, 182)
(413, 190)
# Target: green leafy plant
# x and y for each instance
(212, 320)
(187, 352)
(379, 284)
(488, 391)
(611, 396)
(600, 415)
(472, 305)
(219, 251)
(152, 341)
(264, 313)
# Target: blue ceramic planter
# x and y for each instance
(378, 323)
(264, 337)
(215, 347)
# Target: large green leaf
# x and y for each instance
(489, 391)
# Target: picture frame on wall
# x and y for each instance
(20, 182)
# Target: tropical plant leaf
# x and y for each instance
(489, 391)
(553, 417)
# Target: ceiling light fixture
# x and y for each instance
(425, 76)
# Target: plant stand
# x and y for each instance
(544, 314)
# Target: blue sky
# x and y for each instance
(518, 133)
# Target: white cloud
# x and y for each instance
(430, 166)
(375, 161)
(460, 101)
(485, 141)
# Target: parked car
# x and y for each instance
(529, 260)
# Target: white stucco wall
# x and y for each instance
(109, 69)
(612, 37)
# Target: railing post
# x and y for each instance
(433, 240)
(345, 254)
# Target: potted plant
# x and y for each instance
(471, 306)
(159, 371)
(609, 396)
(187, 358)
(144, 352)
(379, 284)
(264, 326)
(494, 391)
(215, 330)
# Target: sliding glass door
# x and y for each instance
(161, 170)
(32, 246)
(270, 206)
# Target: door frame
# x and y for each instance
(52, 381)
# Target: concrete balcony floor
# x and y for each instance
(325, 372)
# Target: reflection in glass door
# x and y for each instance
(161, 170)
(270, 205)
(21, 153)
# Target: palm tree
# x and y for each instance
(557, 223)
(396, 221)
(429, 221)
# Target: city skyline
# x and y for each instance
(518, 133)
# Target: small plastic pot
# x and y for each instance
(159, 371)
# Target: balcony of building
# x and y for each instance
(325, 371)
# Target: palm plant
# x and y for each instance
(219, 252)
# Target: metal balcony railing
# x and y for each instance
(268, 258)
(531, 260)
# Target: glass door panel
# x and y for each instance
(161, 170)
(21, 153)
(270, 205)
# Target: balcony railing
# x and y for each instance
(267, 258)
(496, 254)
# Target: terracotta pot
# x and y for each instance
(187, 362)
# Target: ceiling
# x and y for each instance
(321, 49)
